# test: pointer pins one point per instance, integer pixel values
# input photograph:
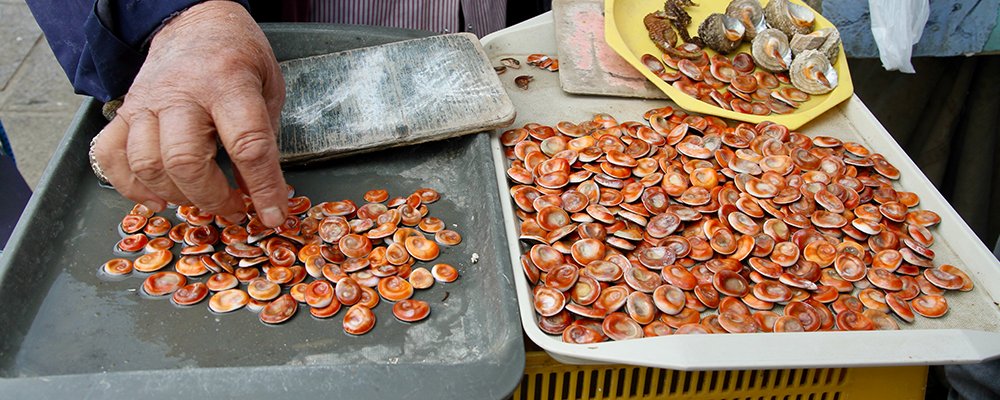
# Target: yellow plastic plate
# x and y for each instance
(626, 34)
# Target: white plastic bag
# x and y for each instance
(897, 26)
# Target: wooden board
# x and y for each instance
(390, 95)
(586, 64)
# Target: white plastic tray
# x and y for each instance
(970, 332)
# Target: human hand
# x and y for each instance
(210, 74)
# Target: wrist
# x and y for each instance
(197, 13)
(134, 22)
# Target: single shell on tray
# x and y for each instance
(807, 41)
(831, 47)
(228, 300)
(750, 14)
(826, 41)
(411, 310)
(770, 50)
(279, 310)
(190, 294)
(721, 33)
(789, 17)
(359, 320)
(812, 73)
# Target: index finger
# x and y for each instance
(188, 149)
(244, 126)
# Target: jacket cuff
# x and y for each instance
(134, 21)
(117, 32)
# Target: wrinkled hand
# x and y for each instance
(210, 74)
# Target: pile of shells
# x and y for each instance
(684, 224)
(744, 88)
(782, 44)
(746, 20)
(353, 254)
(811, 69)
(782, 39)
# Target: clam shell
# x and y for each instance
(789, 17)
(750, 14)
(770, 50)
(812, 73)
(721, 33)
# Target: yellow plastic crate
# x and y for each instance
(545, 378)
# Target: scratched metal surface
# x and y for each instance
(69, 333)
(386, 96)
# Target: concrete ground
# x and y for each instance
(37, 102)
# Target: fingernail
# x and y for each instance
(272, 216)
(153, 205)
(236, 218)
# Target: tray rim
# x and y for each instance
(964, 346)
(165, 383)
(254, 381)
(794, 120)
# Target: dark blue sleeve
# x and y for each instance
(101, 44)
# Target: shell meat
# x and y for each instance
(721, 32)
(812, 73)
(789, 17)
(770, 50)
(750, 14)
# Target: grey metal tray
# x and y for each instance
(65, 333)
